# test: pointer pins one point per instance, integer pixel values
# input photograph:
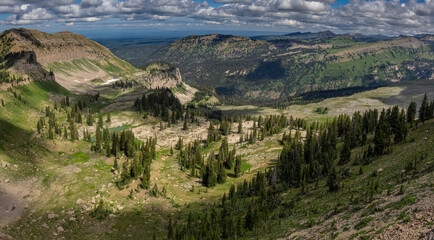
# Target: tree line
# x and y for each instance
(252, 204)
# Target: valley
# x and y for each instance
(280, 70)
(94, 148)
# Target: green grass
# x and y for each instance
(78, 157)
(143, 218)
(363, 223)
(405, 201)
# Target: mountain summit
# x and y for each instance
(75, 62)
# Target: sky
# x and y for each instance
(172, 18)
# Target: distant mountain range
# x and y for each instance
(275, 68)
(310, 36)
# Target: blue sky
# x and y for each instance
(141, 18)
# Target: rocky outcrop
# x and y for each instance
(56, 47)
(69, 58)
(164, 79)
(73, 61)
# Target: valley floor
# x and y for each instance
(49, 189)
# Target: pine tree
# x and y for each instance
(211, 133)
(98, 139)
(180, 144)
(89, 119)
(221, 174)
(345, 155)
(185, 127)
(170, 232)
(109, 119)
(73, 130)
(107, 148)
(65, 133)
(237, 169)
(424, 110)
(411, 113)
(100, 121)
(209, 178)
(333, 181)
(38, 126)
(115, 163)
(240, 127)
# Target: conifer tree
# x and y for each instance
(221, 174)
(73, 130)
(424, 110)
(237, 169)
(170, 232)
(109, 119)
(211, 133)
(333, 181)
(100, 121)
(411, 113)
(39, 127)
(115, 163)
(185, 126)
(345, 155)
(89, 119)
(209, 178)
(65, 133)
(98, 139)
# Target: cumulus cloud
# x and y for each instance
(36, 15)
(392, 17)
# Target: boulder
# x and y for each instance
(11, 207)
(4, 164)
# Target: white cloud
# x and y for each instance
(37, 15)
(289, 22)
(391, 17)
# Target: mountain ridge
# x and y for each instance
(74, 61)
(284, 69)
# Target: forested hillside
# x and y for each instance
(245, 70)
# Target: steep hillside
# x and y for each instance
(56, 47)
(245, 70)
(75, 62)
(55, 184)
(200, 48)
(72, 58)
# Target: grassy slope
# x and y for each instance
(70, 171)
(303, 70)
(320, 214)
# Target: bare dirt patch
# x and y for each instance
(14, 198)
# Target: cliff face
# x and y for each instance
(214, 46)
(257, 71)
(70, 58)
(57, 47)
(162, 77)
(73, 61)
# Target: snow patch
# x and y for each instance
(111, 80)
